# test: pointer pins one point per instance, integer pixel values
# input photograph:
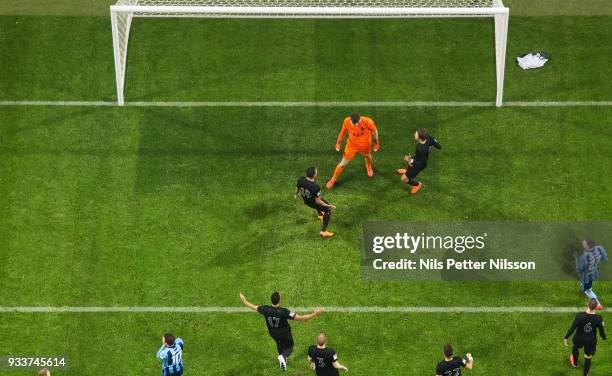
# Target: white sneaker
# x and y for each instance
(282, 363)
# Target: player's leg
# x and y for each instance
(326, 219)
(589, 352)
(587, 365)
(574, 356)
(282, 361)
(410, 178)
(349, 153)
(587, 288)
(367, 155)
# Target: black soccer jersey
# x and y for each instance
(323, 360)
(451, 367)
(586, 325)
(277, 318)
(421, 153)
(309, 191)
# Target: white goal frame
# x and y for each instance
(123, 12)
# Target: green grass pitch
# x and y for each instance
(108, 206)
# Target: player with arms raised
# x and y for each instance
(451, 366)
(278, 326)
(361, 130)
(171, 355)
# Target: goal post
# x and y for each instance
(124, 11)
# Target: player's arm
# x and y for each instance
(179, 341)
(162, 353)
(338, 365)
(317, 312)
(435, 143)
(602, 331)
(469, 361)
(571, 331)
(581, 264)
(250, 305)
(311, 363)
(340, 137)
(604, 255)
(374, 130)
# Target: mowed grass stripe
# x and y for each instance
(299, 309)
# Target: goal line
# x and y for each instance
(358, 309)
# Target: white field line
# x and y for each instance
(307, 104)
(66, 309)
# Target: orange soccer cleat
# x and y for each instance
(416, 188)
(327, 234)
(599, 307)
(330, 183)
(401, 171)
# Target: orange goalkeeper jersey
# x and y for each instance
(360, 135)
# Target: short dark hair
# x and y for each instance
(423, 134)
(590, 242)
(169, 339)
(275, 298)
(593, 303)
(355, 118)
(311, 172)
(448, 350)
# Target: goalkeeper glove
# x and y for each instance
(376, 146)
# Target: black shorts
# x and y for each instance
(283, 341)
(589, 347)
(413, 171)
(319, 208)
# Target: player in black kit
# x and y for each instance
(586, 324)
(323, 359)
(418, 162)
(451, 366)
(278, 326)
(311, 193)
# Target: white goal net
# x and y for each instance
(123, 12)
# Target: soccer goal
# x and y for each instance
(123, 12)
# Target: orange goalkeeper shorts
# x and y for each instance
(350, 151)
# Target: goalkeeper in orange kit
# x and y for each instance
(361, 130)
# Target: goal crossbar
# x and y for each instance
(123, 12)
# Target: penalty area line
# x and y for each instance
(68, 309)
(24, 103)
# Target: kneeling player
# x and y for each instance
(451, 366)
(418, 162)
(311, 193)
(586, 324)
(323, 359)
(278, 326)
(360, 131)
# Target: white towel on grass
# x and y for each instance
(532, 61)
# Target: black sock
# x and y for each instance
(287, 352)
(576, 354)
(413, 182)
(587, 366)
(326, 218)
